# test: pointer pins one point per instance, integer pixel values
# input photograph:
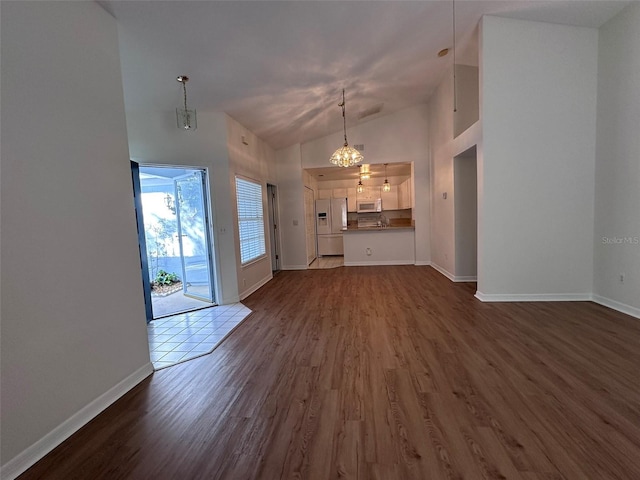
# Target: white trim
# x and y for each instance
(443, 271)
(28, 457)
(421, 263)
(469, 278)
(295, 267)
(379, 262)
(262, 282)
(615, 305)
(544, 297)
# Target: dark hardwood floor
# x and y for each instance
(381, 373)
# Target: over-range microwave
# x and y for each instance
(369, 206)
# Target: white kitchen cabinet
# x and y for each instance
(324, 193)
(339, 193)
(404, 195)
(370, 193)
(390, 198)
(352, 204)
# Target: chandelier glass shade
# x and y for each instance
(345, 156)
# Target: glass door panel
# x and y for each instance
(193, 235)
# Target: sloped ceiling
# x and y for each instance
(278, 68)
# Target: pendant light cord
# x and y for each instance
(455, 99)
(344, 119)
(184, 91)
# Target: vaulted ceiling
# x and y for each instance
(278, 67)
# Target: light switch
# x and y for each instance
(295, 223)
(444, 195)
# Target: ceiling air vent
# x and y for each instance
(359, 147)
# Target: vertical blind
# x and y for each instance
(250, 220)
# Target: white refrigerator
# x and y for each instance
(331, 220)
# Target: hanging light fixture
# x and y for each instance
(360, 187)
(186, 118)
(345, 156)
(386, 186)
(365, 173)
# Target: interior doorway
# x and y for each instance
(274, 235)
(466, 215)
(174, 233)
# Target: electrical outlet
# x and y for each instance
(368, 251)
(244, 282)
(621, 277)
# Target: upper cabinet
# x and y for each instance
(370, 193)
(390, 198)
(404, 194)
(352, 204)
(325, 193)
(339, 193)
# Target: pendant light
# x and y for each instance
(345, 156)
(186, 118)
(386, 186)
(360, 187)
(365, 173)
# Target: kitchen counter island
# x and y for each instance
(393, 245)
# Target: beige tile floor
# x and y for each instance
(330, 261)
(182, 337)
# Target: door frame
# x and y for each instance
(274, 230)
(211, 240)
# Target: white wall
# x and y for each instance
(255, 160)
(538, 108)
(155, 139)
(73, 320)
(466, 216)
(443, 148)
(292, 218)
(406, 132)
(467, 103)
(617, 193)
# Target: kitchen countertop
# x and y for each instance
(377, 229)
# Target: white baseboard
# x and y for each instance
(379, 262)
(295, 267)
(422, 263)
(518, 297)
(615, 305)
(443, 271)
(469, 278)
(262, 282)
(28, 457)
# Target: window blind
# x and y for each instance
(250, 220)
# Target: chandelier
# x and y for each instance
(345, 156)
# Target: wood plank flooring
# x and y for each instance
(381, 373)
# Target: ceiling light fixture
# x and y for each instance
(360, 187)
(365, 173)
(386, 186)
(186, 118)
(345, 156)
